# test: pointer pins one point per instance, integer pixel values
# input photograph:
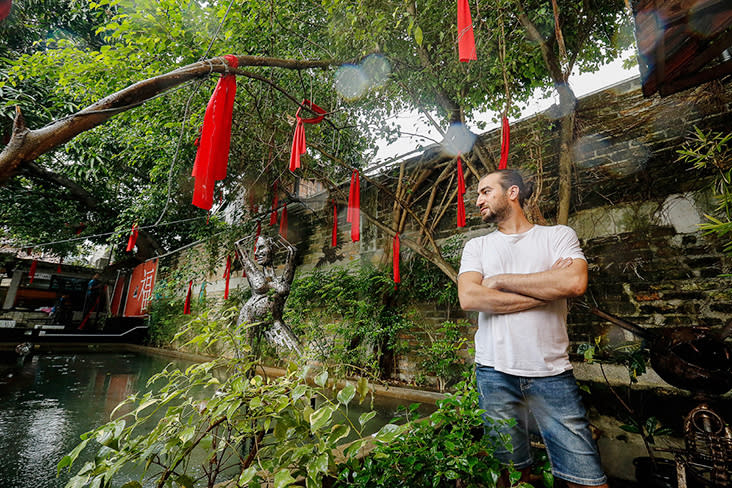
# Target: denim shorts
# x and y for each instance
(556, 407)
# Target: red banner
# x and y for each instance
(142, 282)
(119, 288)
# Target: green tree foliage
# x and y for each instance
(446, 449)
(136, 167)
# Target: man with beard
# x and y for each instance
(518, 278)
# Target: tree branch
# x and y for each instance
(26, 145)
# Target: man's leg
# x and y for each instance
(501, 398)
(557, 407)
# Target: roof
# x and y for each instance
(682, 43)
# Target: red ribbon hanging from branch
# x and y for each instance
(132, 239)
(227, 275)
(5, 6)
(466, 40)
(187, 304)
(32, 270)
(273, 215)
(298, 140)
(354, 206)
(283, 223)
(395, 259)
(213, 149)
(460, 194)
(60, 262)
(505, 143)
(334, 233)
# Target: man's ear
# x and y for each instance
(513, 192)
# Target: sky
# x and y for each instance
(582, 84)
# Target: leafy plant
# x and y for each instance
(713, 150)
(442, 356)
(221, 420)
(437, 451)
(352, 316)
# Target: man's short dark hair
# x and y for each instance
(511, 177)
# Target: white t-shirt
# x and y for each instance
(532, 342)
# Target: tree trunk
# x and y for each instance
(566, 137)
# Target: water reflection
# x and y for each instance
(48, 403)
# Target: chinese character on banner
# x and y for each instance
(142, 282)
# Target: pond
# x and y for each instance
(54, 398)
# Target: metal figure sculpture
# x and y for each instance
(263, 311)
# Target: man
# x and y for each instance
(518, 278)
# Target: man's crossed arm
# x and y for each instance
(509, 293)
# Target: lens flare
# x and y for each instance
(616, 158)
(351, 82)
(377, 69)
(458, 140)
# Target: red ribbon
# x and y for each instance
(283, 223)
(187, 304)
(132, 239)
(32, 270)
(60, 262)
(5, 8)
(460, 194)
(298, 140)
(505, 142)
(395, 252)
(273, 215)
(334, 233)
(227, 275)
(466, 40)
(213, 150)
(354, 206)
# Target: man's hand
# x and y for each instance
(566, 278)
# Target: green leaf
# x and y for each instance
(320, 465)
(389, 432)
(321, 379)
(346, 394)
(282, 479)
(298, 391)
(365, 417)
(247, 475)
(418, 36)
(362, 387)
(321, 417)
(337, 433)
(131, 484)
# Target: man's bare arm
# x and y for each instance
(476, 297)
(567, 278)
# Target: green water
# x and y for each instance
(48, 403)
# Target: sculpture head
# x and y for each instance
(264, 252)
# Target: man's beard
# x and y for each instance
(497, 214)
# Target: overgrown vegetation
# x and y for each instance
(447, 447)
(713, 151)
(356, 320)
(221, 420)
